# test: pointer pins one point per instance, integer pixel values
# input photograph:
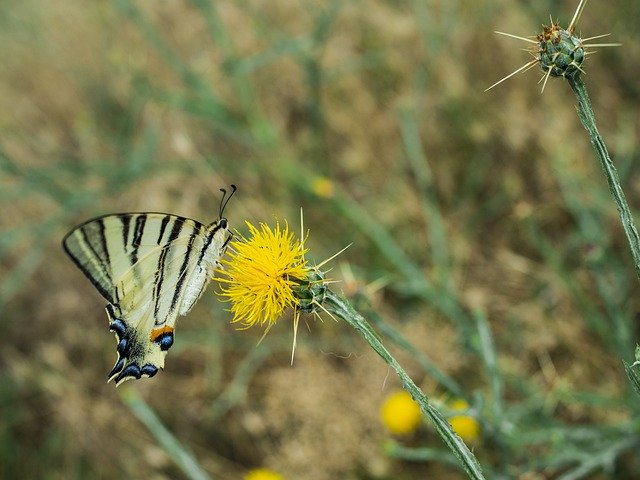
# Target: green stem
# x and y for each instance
(179, 453)
(341, 308)
(588, 119)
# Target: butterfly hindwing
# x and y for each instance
(144, 321)
(151, 267)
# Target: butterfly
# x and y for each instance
(151, 268)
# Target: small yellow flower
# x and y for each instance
(465, 426)
(400, 414)
(322, 187)
(262, 474)
(263, 273)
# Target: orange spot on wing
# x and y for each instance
(156, 333)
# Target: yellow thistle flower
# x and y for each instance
(400, 414)
(262, 474)
(465, 426)
(266, 274)
(262, 274)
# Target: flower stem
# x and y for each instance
(585, 112)
(340, 307)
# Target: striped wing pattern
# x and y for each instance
(151, 268)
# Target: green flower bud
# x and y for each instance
(561, 53)
(310, 291)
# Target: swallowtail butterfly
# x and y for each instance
(151, 268)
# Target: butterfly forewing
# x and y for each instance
(151, 267)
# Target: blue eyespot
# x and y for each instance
(123, 347)
(165, 341)
(149, 370)
(118, 326)
(132, 370)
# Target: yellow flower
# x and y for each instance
(400, 414)
(262, 474)
(266, 274)
(263, 274)
(465, 426)
(322, 187)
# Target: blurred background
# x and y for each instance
(485, 246)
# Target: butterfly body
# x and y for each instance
(151, 268)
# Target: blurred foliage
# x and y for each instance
(486, 248)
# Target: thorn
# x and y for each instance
(597, 36)
(604, 45)
(302, 236)
(524, 68)
(546, 77)
(266, 330)
(325, 310)
(296, 319)
(516, 36)
(333, 256)
(576, 16)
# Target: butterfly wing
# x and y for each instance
(151, 267)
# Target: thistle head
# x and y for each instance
(267, 274)
(560, 53)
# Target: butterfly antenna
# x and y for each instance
(225, 198)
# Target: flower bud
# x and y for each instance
(560, 52)
(310, 291)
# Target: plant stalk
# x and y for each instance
(585, 112)
(340, 307)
